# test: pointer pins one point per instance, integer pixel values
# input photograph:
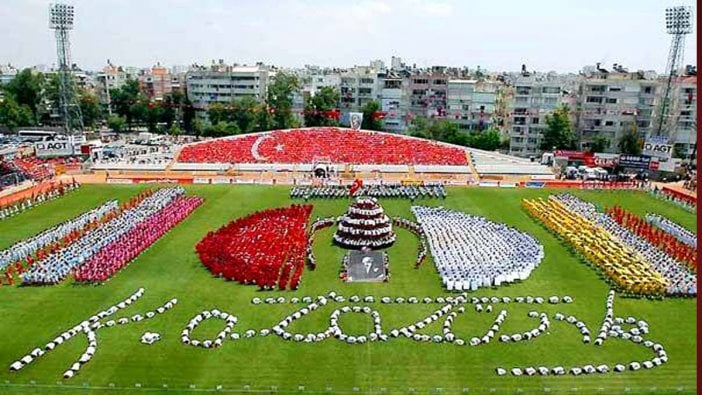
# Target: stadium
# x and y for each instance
(332, 260)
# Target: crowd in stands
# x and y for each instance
(58, 265)
(266, 248)
(681, 280)
(339, 145)
(55, 191)
(621, 264)
(471, 252)
(116, 255)
(395, 190)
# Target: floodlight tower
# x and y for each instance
(61, 21)
(678, 23)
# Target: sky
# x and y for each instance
(498, 35)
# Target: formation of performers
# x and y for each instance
(102, 232)
(54, 192)
(471, 252)
(412, 192)
(365, 225)
(666, 242)
(52, 239)
(679, 278)
(670, 227)
(117, 254)
(419, 232)
(266, 248)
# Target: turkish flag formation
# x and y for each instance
(266, 248)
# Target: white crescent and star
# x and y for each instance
(254, 147)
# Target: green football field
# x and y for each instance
(32, 316)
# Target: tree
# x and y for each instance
(189, 116)
(488, 140)
(419, 127)
(26, 89)
(441, 130)
(125, 101)
(13, 115)
(599, 144)
(630, 143)
(559, 133)
(222, 128)
(175, 130)
(371, 116)
(318, 108)
(246, 113)
(89, 108)
(116, 123)
(280, 100)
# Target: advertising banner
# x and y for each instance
(634, 161)
(606, 160)
(534, 184)
(47, 149)
(659, 150)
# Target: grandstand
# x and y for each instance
(361, 153)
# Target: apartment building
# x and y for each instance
(472, 104)
(684, 111)
(222, 83)
(156, 82)
(612, 102)
(427, 92)
(112, 77)
(394, 101)
(530, 99)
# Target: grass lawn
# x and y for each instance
(32, 316)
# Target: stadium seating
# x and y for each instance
(335, 144)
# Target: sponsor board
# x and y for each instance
(488, 184)
(606, 160)
(221, 181)
(634, 161)
(508, 185)
(543, 177)
(46, 149)
(534, 184)
(200, 180)
(162, 180)
(657, 149)
(119, 181)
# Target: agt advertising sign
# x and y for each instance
(659, 150)
(53, 148)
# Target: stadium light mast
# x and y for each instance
(678, 23)
(61, 21)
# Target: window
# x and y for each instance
(419, 92)
(420, 81)
(598, 88)
(535, 120)
(439, 82)
(648, 90)
(366, 80)
(609, 123)
(615, 89)
(611, 100)
(593, 99)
